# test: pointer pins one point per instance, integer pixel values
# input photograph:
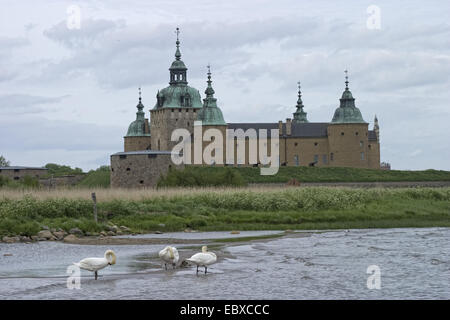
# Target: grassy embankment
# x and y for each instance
(213, 176)
(335, 174)
(25, 212)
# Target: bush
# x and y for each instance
(97, 178)
(195, 177)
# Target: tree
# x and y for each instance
(4, 162)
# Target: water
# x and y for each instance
(414, 264)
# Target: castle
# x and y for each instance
(346, 141)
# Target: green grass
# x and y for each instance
(312, 174)
(290, 208)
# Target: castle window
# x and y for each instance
(296, 160)
(315, 143)
(362, 155)
(342, 133)
(16, 170)
(128, 169)
(141, 182)
(324, 159)
(370, 146)
(332, 156)
(361, 144)
(112, 169)
(356, 133)
(16, 178)
(316, 158)
(122, 156)
(188, 123)
(296, 144)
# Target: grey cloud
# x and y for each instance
(24, 104)
(29, 133)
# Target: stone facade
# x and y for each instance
(137, 143)
(139, 169)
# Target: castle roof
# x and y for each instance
(347, 112)
(137, 127)
(178, 94)
(210, 114)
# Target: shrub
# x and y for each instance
(195, 177)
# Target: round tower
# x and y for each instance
(176, 105)
(348, 134)
(138, 135)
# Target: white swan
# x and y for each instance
(95, 264)
(169, 255)
(204, 258)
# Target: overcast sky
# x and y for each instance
(67, 95)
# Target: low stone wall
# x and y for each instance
(68, 180)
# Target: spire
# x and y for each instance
(177, 52)
(299, 101)
(140, 98)
(178, 68)
(299, 114)
(376, 128)
(210, 114)
(346, 80)
(140, 106)
(209, 90)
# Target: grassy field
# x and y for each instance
(210, 176)
(311, 174)
(25, 212)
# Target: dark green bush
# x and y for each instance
(193, 177)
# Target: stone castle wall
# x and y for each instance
(140, 169)
(19, 174)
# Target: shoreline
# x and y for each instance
(315, 208)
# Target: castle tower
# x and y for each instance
(212, 120)
(299, 115)
(348, 134)
(176, 105)
(138, 135)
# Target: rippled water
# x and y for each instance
(414, 264)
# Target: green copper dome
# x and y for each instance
(299, 114)
(347, 111)
(178, 94)
(137, 127)
(210, 114)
